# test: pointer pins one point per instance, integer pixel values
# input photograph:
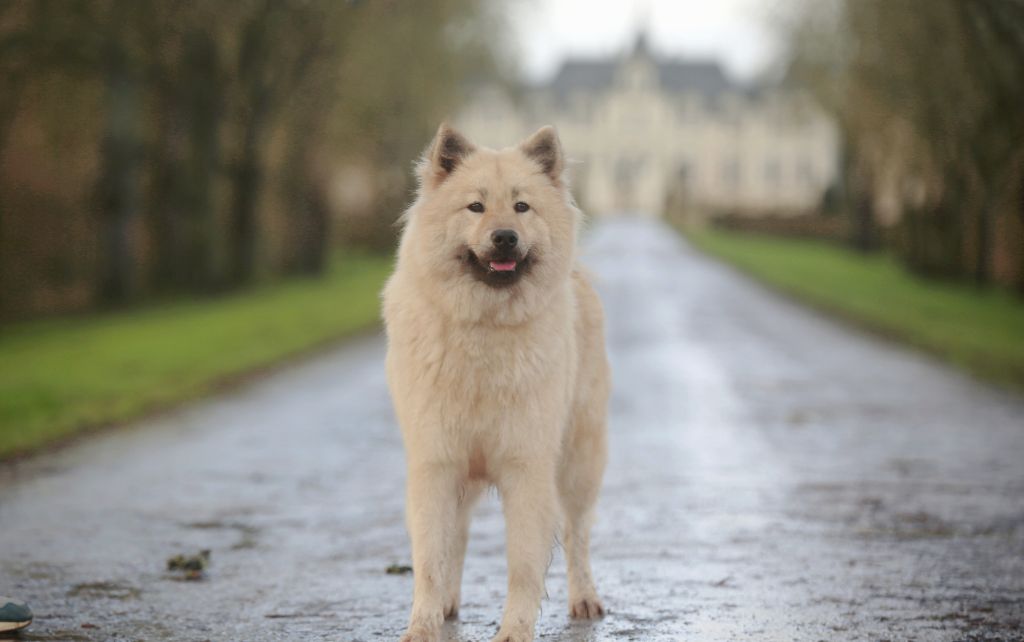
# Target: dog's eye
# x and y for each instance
(521, 207)
(476, 206)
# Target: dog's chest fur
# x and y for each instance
(502, 362)
(478, 388)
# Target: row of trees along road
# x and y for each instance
(929, 96)
(152, 148)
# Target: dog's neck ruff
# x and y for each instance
(467, 301)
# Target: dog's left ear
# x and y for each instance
(445, 153)
(544, 148)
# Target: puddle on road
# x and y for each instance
(248, 534)
(61, 635)
(105, 590)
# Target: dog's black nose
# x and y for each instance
(504, 238)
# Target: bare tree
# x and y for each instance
(929, 96)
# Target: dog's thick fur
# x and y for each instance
(498, 376)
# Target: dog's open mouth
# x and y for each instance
(498, 270)
(503, 266)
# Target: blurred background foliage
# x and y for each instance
(160, 157)
(153, 149)
(929, 99)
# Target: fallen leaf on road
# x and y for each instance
(192, 566)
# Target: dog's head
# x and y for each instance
(496, 230)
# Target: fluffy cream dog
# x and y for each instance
(497, 368)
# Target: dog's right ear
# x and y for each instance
(544, 148)
(445, 153)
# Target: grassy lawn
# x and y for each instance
(982, 331)
(63, 376)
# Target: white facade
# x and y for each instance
(643, 130)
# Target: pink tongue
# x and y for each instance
(506, 266)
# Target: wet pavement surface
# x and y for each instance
(773, 475)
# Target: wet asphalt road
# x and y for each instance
(773, 476)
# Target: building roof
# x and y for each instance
(585, 75)
(677, 76)
(703, 77)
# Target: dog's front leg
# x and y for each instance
(529, 503)
(431, 503)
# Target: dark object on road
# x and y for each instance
(397, 569)
(14, 616)
(193, 566)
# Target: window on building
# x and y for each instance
(773, 173)
(731, 173)
(684, 174)
(805, 172)
(583, 109)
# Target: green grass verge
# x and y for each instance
(980, 330)
(63, 376)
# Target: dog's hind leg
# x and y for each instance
(457, 546)
(579, 482)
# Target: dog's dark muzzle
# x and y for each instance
(501, 267)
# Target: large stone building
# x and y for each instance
(646, 131)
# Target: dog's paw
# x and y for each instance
(420, 634)
(586, 608)
(514, 634)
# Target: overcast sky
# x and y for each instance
(734, 31)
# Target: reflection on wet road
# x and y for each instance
(773, 476)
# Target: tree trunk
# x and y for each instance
(8, 110)
(308, 215)
(865, 238)
(317, 230)
(1020, 247)
(309, 231)
(246, 179)
(857, 188)
(168, 206)
(119, 191)
(204, 109)
(10, 99)
(983, 251)
(243, 229)
(186, 163)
